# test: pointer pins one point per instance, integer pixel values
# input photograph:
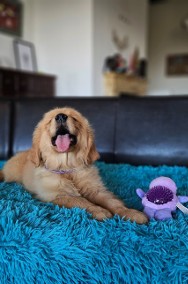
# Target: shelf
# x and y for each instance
(114, 84)
(16, 83)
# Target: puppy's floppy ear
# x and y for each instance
(91, 154)
(35, 154)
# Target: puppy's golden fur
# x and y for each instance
(63, 141)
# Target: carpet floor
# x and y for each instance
(42, 243)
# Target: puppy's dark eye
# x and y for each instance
(74, 119)
(61, 117)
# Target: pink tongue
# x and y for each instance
(63, 142)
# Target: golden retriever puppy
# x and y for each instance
(58, 167)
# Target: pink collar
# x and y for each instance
(68, 171)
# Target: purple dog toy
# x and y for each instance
(161, 199)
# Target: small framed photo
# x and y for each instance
(177, 64)
(11, 17)
(25, 56)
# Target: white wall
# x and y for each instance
(63, 41)
(6, 51)
(106, 18)
(166, 37)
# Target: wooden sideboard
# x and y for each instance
(16, 83)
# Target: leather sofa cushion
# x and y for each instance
(100, 112)
(152, 131)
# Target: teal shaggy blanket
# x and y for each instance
(42, 243)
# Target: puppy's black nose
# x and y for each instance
(61, 117)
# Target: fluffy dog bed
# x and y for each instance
(42, 243)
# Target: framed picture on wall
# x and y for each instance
(177, 64)
(25, 56)
(11, 17)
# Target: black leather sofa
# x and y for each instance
(128, 129)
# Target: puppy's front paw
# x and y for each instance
(100, 213)
(132, 215)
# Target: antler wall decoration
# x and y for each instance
(120, 43)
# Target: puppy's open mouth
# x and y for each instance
(63, 140)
